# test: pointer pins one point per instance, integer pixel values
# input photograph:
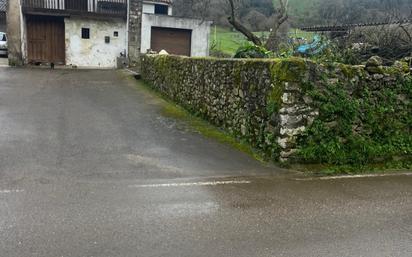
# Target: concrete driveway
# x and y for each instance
(96, 125)
(90, 167)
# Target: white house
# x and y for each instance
(158, 7)
(95, 33)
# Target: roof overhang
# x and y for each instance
(168, 2)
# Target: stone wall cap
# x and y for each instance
(157, 1)
(177, 17)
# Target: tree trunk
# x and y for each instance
(272, 43)
(248, 34)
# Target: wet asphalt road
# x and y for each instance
(3, 61)
(83, 155)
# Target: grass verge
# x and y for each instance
(196, 124)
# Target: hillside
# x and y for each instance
(298, 8)
(301, 10)
(259, 15)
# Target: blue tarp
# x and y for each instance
(313, 48)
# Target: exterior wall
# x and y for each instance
(200, 31)
(94, 52)
(149, 7)
(14, 32)
(229, 93)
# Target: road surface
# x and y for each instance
(90, 167)
(3, 61)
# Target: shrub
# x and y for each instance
(359, 128)
(250, 50)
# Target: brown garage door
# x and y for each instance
(174, 41)
(45, 39)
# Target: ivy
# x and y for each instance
(360, 128)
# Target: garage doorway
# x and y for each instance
(174, 41)
(45, 40)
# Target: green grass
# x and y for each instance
(206, 129)
(228, 41)
(297, 33)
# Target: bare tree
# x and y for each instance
(280, 18)
(239, 26)
(273, 41)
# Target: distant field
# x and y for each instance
(228, 41)
(225, 40)
(299, 8)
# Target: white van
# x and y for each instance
(3, 44)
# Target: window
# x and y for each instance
(85, 33)
(161, 9)
(116, 34)
(107, 40)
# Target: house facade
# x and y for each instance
(99, 33)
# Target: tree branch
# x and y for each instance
(282, 16)
(407, 33)
(242, 29)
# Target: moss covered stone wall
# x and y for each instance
(282, 107)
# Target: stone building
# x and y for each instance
(99, 33)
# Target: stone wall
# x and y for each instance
(269, 103)
(14, 33)
(134, 31)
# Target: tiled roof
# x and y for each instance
(3, 5)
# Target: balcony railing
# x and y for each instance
(114, 7)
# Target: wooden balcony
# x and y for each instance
(105, 8)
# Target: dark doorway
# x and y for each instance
(45, 39)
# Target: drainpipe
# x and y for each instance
(22, 34)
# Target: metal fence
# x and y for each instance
(92, 6)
